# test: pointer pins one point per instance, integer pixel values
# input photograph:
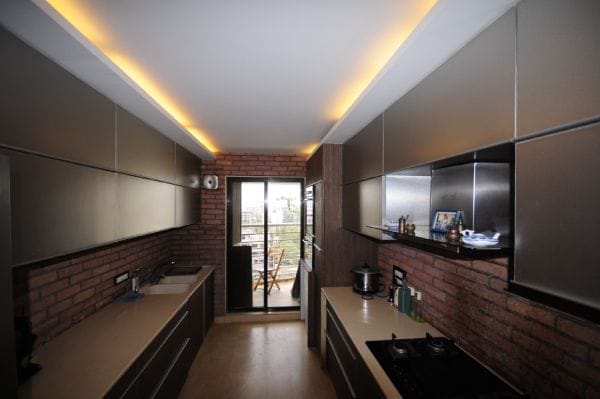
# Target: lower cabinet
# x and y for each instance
(349, 374)
(161, 370)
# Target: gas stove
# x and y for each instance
(434, 367)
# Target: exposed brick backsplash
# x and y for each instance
(60, 292)
(543, 351)
(205, 241)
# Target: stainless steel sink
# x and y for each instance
(166, 288)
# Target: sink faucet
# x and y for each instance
(135, 280)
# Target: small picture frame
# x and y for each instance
(443, 220)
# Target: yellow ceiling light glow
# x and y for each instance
(74, 14)
(376, 59)
(310, 149)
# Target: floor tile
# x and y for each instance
(257, 360)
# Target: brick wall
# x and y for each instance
(205, 241)
(543, 351)
(58, 293)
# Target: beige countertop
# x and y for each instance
(86, 360)
(369, 320)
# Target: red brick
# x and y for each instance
(69, 271)
(60, 307)
(42, 304)
(53, 287)
(42, 279)
(583, 371)
(580, 331)
(81, 276)
(490, 268)
(68, 292)
(92, 263)
(526, 309)
(83, 295)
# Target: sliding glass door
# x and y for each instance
(264, 230)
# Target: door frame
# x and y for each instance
(229, 230)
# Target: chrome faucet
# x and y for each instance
(135, 280)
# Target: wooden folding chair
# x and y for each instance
(274, 262)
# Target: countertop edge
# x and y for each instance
(384, 382)
(188, 294)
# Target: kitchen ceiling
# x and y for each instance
(276, 76)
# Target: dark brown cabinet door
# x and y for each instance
(363, 153)
(318, 214)
(558, 63)
(45, 109)
(314, 167)
(556, 220)
(143, 151)
(465, 104)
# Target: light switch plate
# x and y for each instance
(119, 278)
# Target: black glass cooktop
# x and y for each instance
(436, 368)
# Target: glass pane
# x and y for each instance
(284, 243)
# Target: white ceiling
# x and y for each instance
(261, 76)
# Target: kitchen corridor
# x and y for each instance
(257, 360)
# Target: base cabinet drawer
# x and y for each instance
(350, 375)
(339, 377)
(171, 382)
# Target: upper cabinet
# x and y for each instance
(314, 167)
(45, 109)
(558, 63)
(58, 207)
(363, 153)
(143, 151)
(143, 206)
(465, 104)
(362, 204)
(187, 168)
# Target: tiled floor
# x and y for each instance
(277, 297)
(257, 360)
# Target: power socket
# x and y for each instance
(119, 278)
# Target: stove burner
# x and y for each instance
(437, 345)
(400, 348)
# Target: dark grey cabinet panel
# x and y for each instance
(144, 206)
(557, 196)
(187, 206)
(58, 207)
(467, 103)
(187, 168)
(141, 150)
(362, 204)
(47, 110)
(558, 61)
(363, 153)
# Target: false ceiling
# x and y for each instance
(264, 76)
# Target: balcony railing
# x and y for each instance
(283, 235)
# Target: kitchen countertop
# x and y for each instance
(89, 358)
(369, 320)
